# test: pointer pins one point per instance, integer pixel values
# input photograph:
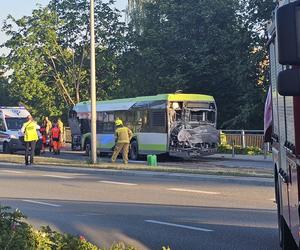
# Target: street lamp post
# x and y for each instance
(93, 87)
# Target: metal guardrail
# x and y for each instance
(246, 138)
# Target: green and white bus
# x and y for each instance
(181, 125)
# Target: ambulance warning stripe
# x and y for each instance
(3, 136)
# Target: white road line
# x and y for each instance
(178, 225)
(58, 176)
(192, 191)
(119, 183)
(12, 171)
(42, 203)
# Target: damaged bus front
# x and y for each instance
(192, 128)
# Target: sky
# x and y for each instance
(19, 8)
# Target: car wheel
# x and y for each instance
(37, 151)
(134, 151)
(6, 149)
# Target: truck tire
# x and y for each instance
(288, 242)
(134, 150)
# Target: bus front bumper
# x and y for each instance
(191, 152)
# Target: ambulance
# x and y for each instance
(11, 137)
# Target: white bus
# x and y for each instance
(181, 125)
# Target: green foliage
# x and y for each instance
(18, 235)
(227, 149)
(14, 233)
(211, 47)
(49, 55)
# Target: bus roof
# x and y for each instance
(127, 103)
(161, 97)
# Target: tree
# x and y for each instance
(200, 47)
(34, 57)
(49, 55)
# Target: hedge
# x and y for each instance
(16, 234)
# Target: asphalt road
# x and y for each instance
(146, 210)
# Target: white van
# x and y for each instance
(11, 121)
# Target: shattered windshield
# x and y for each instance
(202, 116)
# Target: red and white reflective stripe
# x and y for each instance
(4, 136)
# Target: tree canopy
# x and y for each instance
(210, 47)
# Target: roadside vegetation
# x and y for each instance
(228, 149)
(17, 234)
(210, 47)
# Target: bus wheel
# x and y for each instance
(134, 152)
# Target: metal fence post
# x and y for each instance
(243, 139)
(233, 153)
(265, 150)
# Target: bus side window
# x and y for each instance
(2, 126)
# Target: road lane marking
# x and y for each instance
(178, 225)
(58, 176)
(89, 214)
(192, 191)
(12, 171)
(119, 183)
(42, 203)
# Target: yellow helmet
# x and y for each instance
(118, 122)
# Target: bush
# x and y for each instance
(227, 149)
(18, 235)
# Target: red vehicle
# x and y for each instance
(284, 53)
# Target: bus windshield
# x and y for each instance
(202, 116)
(15, 123)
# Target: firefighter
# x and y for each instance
(55, 137)
(44, 137)
(29, 129)
(48, 125)
(61, 128)
(123, 136)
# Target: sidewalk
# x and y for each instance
(221, 166)
(241, 157)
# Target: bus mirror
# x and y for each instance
(288, 33)
(288, 83)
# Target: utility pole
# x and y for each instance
(93, 87)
